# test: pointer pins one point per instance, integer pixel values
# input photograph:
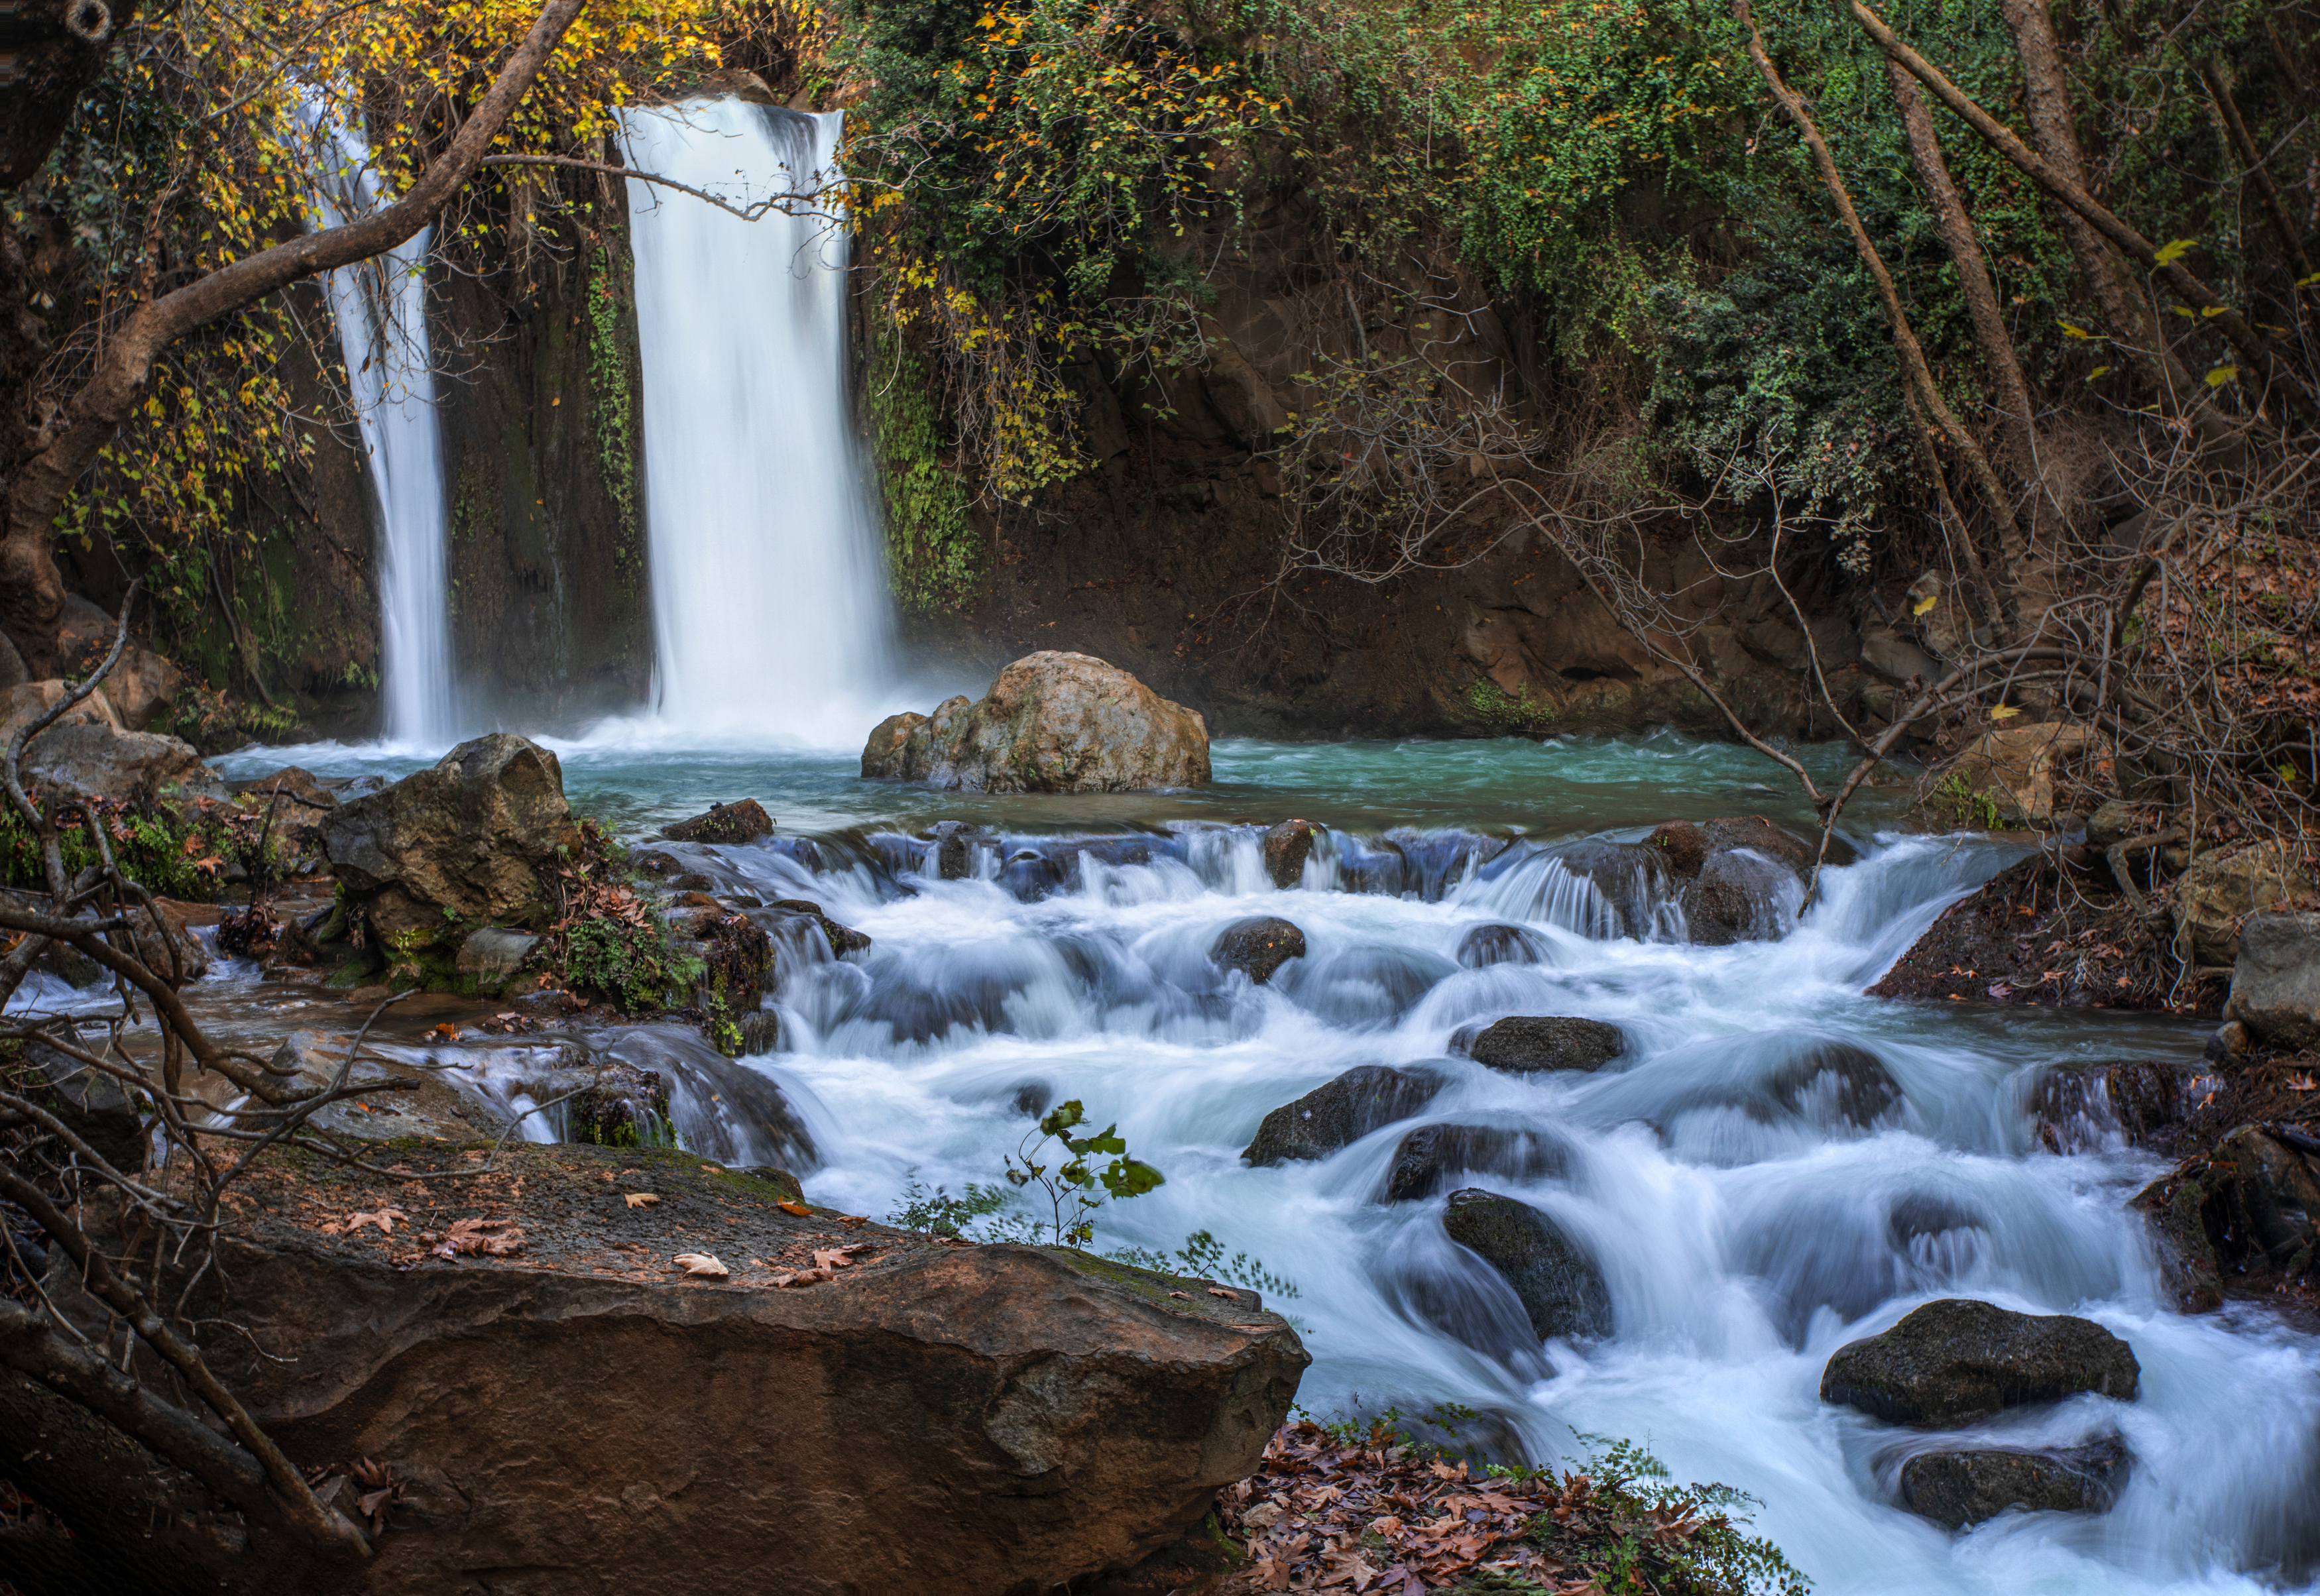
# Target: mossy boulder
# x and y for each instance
(1958, 1360)
(461, 845)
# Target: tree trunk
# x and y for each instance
(2055, 134)
(2011, 393)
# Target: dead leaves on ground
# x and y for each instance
(376, 1491)
(827, 1262)
(474, 1238)
(704, 1265)
(1386, 1521)
(385, 1218)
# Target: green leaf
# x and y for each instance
(2070, 330)
(1127, 1177)
(2171, 253)
(1061, 1118)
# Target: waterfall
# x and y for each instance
(770, 615)
(380, 307)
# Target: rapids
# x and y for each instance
(1745, 1233)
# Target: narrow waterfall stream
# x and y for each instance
(770, 613)
(380, 307)
(1746, 1227)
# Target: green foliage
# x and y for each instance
(1634, 1494)
(635, 966)
(938, 1214)
(1076, 1187)
(175, 849)
(1203, 1258)
(612, 391)
(1505, 712)
(1967, 804)
(933, 555)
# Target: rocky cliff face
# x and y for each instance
(1166, 557)
(541, 458)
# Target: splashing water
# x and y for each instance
(770, 613)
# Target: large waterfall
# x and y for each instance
(380, 307)
(769, 604)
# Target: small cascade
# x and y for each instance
(380, 307)
(769, 604)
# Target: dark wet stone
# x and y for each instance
(1559, 1285)
(1341, 1112)
(954, 843)
(1287, 847)
(1956, 1488)
(1365, 986)
(1030, 875)
(1920, 1215)
(1431, 1155)
(1500, 945)
(623, 1106)
(1521, 1043)
(1032, 1098)
(1258, 947)
(761, 1032)
(1957, 1360)
(745, 821)
(843, 939)
(1738, 897)
(1835, 1080)
(2083, 1107)
(2247, 1214)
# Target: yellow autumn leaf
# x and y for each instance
(2070, 330)
(2098, 371)
(2171, 253)
(2003, 712)
(1925, 603)
(2222, 375)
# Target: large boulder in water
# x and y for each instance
(1287, 847)
(579, 1413)
(1964, 1486)
(1957, 1360)
(1341, 1112)
(1522, 1043)
(450, 848)
(1052, 722)
(1559, 1285)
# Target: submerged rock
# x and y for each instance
(1258, 947)
(843, 939)
(1431, 1155)
(1522, 1043)
(1500, 945)
(624, 1107)
(2084, 1107)
(1052, 722)
(1964, 1487)
(1836, 1082)
(745, 821)
(1287, 847)
(1560, 1287)
(1341, 1112)
(2276, 982)
(1957, 1360)
(954, 843)
(459, 845)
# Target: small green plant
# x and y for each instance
(1202, 1256)
(1509, 712)
(938, 1214)
(1967, 804)
(1076, 1187)
(632, 963)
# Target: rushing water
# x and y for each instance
(1744, 1235)
(380, 307)
(770, 613)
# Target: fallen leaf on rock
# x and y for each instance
(1218, 1291)
(1186, 1295)
(800, 1209)
(836, 1258)
(641, 1199)
(474, 1237)
(703, 1264)
(2303, 1083)
(383, 1219)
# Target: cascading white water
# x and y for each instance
(770, 611)
(380, 307)
(1746, 1228)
